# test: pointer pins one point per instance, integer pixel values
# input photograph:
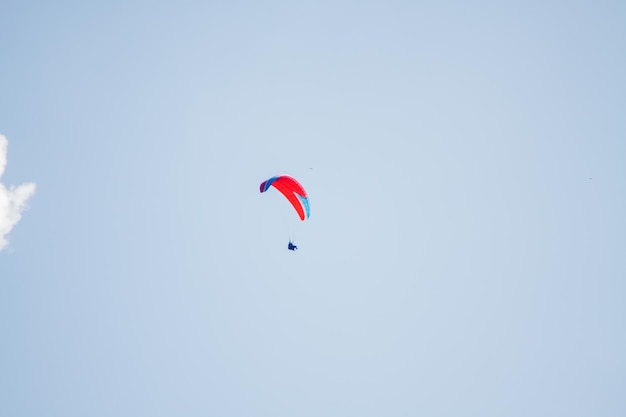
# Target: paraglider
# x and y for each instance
(295, 194)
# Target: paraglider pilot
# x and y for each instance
(291, 246)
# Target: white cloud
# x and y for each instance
(12, 199)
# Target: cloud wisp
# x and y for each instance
(12, 199)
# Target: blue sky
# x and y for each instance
(465, 251)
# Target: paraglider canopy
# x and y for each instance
(292, 190)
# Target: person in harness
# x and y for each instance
(291, 246)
